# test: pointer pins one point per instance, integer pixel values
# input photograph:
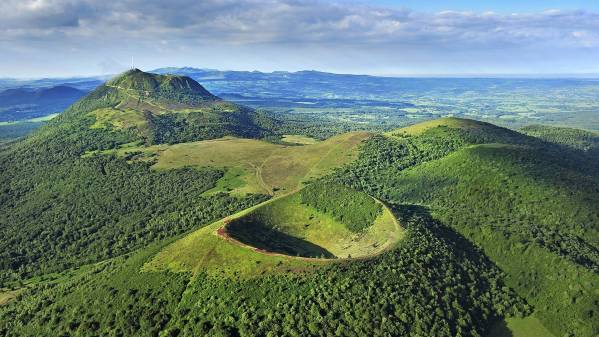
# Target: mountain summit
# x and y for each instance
(154, 109)
(160, 86)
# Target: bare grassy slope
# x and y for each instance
(263, 167)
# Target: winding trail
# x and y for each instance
(138, 98)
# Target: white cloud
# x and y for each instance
(249, 21)
(187, 24)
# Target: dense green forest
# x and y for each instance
(181, 128)
(586, 141)
(103, 207)
(529, 205)
(59, 209)
(434, 284)
(497, 224)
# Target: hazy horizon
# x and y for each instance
(589, 76)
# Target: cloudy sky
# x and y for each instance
(385, 37)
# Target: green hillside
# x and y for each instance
(292, 227)
(279, 235)
(531, 206)
(447, 122)
(169, 89)
(156, 109)
(60, 209)
(586, 141)
(432, 283)
(251, 165)
(108, 229)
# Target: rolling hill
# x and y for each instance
(49, 188)
(39, 96)
(251, 165)
(153, 208)
(159, 109)
(529, 204)
(24, 103)
(587, 141)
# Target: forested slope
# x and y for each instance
(530, 205)
(60, 208)
(498, 224)
(587, 141)
(433, 284)
(102, 207)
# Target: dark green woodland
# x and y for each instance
(498, 224)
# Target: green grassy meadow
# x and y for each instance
(299, 139)
(520, 327)
(205, 251)
(255, 166)
(292, 218)
(119, 119)
(7, 296)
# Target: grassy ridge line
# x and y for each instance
(386, 210)
(322, 158)
(219, 257)
(450, 122)
(390, 242)
(207, 250)
(217, 225)
(174, 257)
(289, 167)
(138, 98)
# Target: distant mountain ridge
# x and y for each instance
(394, 98)
(244, 75)
(28, 96)
(25, 103)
